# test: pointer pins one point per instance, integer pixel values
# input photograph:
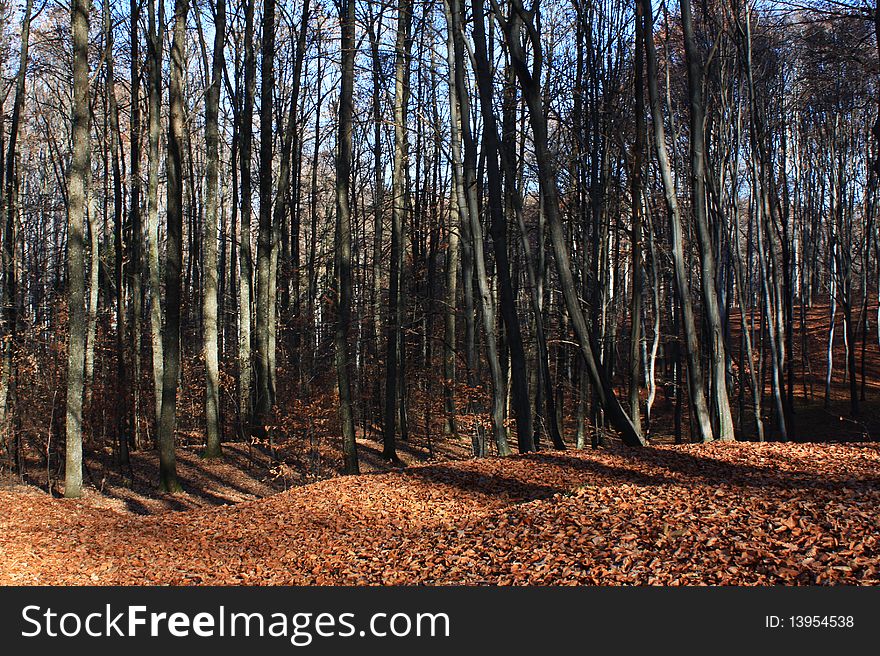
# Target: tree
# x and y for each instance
(498, 230)
(469, 202)
(135, 220)
(636, 230)
(245, 148)
(171, 337)
(265, 237)
(8, 208)
(209, 307)
(393, 351)
(77, 193)
(342, 261)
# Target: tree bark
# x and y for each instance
(399, 196)
(174, 169)
(498, 230)
(156, 41)
(487, 308)
(343, 236)
(209, 307)
(244, 251)
(77, 192)
(8, 209)
(716, 346)
(136, 268)
(635, 335)
(265, 237)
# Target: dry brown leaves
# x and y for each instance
(713, 514)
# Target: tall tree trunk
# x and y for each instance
(8, 210)
(77, 192)
(174, 169)
(287, 202)
(375, 24)
(343, 236)
(487, 308)
(636, 232)
(545, 418)
(459, 205)
(156, 41)
(119, 246)
(313, 221)
(764, 226)
(94, 259)
(394, 345)
(209, 307)
(244, 251)
(265, 237)
(135, 270)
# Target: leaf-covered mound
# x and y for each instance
(707, 514)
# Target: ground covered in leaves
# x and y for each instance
(697, 514)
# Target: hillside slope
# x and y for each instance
(721, 513)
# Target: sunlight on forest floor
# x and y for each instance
(696, 514)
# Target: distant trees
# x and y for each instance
(553, 212)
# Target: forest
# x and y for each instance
(616, 258)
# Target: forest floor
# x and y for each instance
(739, 513)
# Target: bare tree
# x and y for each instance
(171, 338)
(77, 192)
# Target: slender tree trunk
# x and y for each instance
(265, 296)
(378, 199)
(8, 209)
(656, 290)
(459, 204)
(394, 342)
(544, 386)
(209, 307)
(156, 41)
(313, 220)
(829, 352)
(245, 264)
(119, 246)
(487, 309)
(92, 295)
(712, 319)
(343, 236)
(498, 230)
(77, 192)
(135, 270)
(636, 233)
(288, 202)
(174, 169)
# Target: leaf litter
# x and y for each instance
(716, 514)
